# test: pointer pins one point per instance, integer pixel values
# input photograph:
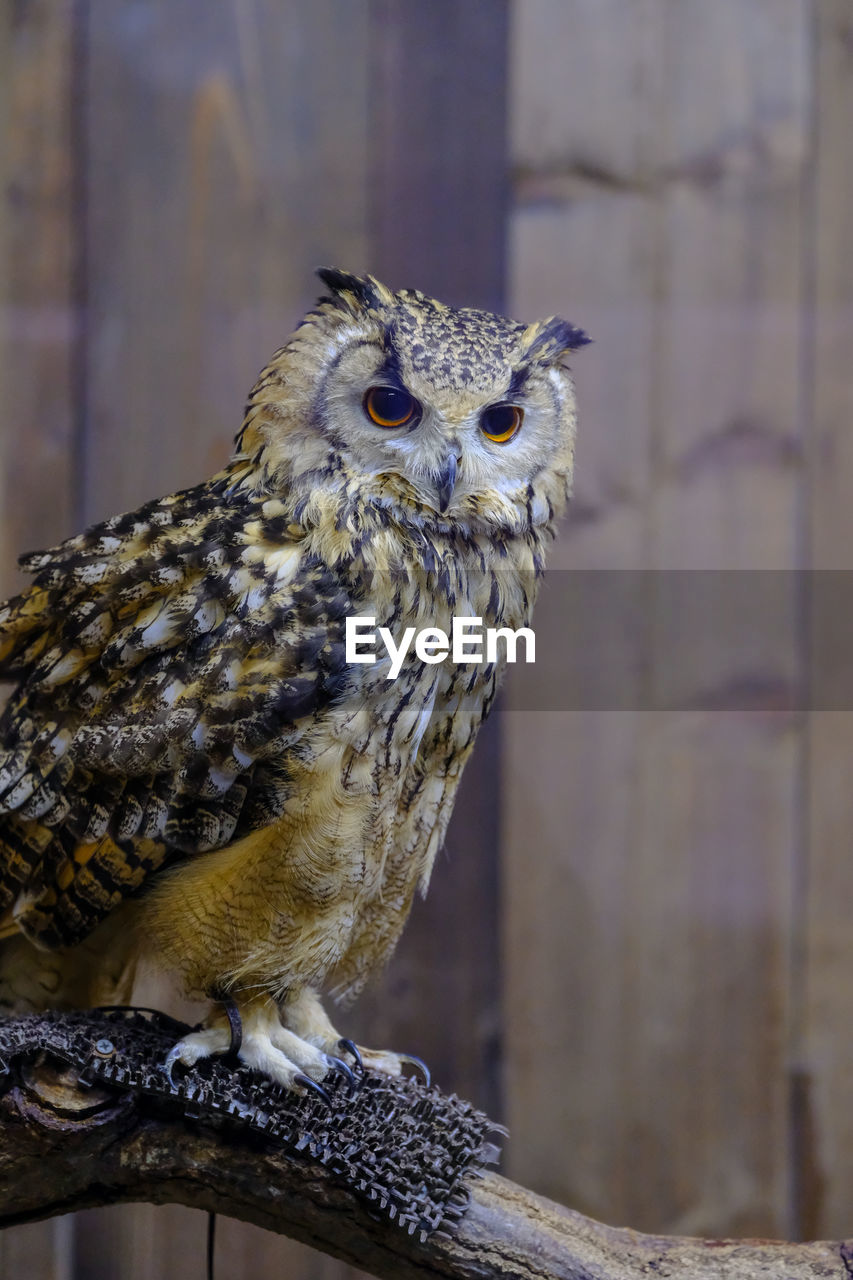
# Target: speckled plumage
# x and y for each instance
(190, 770)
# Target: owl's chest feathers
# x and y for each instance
(420, 575)
(410, 578)
(326, 889)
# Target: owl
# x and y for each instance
(196, 775)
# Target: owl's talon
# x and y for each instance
(349, 1046)
(235, 1026)
(173, 1056)
(338, 1065)
(305, 1082)
(419, 1065)
(387, 1061)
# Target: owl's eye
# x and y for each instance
(390, 407)
(501, 422)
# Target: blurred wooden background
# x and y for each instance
(637, 950)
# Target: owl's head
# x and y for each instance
(446, 416)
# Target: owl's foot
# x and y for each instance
(305, 1016)
(255, 1036)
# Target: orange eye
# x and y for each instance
(390, 407)
(501, 422)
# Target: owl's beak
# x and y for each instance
(445, 482)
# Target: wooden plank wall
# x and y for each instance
(679, 966)
(826, 1057)
(38, 319)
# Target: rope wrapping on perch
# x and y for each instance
(401, 1147)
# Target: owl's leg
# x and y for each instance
(304, 1014)
(264, 1044)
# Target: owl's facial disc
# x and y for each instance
(453, 448)
(398, 400)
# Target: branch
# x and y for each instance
(87, 1118)
(64, 1148)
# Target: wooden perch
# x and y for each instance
(64, 1148)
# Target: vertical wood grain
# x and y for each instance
(826, 1052)
(650, 856)
(38, 320)
(438, 147)
(39, 1251)
(226, 160)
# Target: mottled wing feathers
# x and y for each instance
(167, 660)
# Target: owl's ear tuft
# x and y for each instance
(545, 340)
(354, 293)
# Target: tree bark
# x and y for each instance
(64, 1148)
